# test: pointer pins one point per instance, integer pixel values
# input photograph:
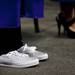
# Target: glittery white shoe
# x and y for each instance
(18, 60)
(32, 52)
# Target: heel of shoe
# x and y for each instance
(59, 26)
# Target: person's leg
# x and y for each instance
(67, 10)
(35, 10)
(10, 39)
(10, 29)
(10, 42)
(64, 16)
(36, 25)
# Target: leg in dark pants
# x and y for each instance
(10, 39)
(36, 25)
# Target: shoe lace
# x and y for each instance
(15, 53)
(28, 49)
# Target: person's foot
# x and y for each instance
(17, 60)
(72, 27)
(32, 52)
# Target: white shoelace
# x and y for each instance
(15, 53)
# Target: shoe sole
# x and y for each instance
(33, 63)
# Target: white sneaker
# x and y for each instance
(32, 52)
(18, 60)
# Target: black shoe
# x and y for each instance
(61, 21)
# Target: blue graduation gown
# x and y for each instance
(33, 8)
(9, 13)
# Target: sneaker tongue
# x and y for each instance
(29, 49)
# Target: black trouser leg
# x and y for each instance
(36, 25)
(10, 39)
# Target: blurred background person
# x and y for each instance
(66, 17)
